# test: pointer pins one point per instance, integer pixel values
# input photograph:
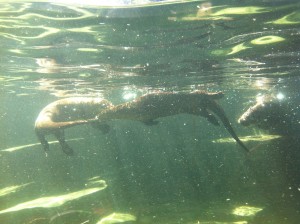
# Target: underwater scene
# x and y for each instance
(141, 112)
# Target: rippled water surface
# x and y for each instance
(183, 170)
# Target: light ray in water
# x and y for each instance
(86, 29)
(54, 201)
(290, 19)
(117, 218)
(246, 211)
(69, 216)
(12, 149)
(47, 31)
(84, 14)
(94, 178)
(94, 181)
(241, 11)
(267, 40)
(12, 189)
(238, 48)
(14, 8)
(254, 138)
(214, 222)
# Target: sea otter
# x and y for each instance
(64, 113)
(152, 106)
(275, 113)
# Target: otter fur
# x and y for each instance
(61, 114)
(65, 113)
(274, 114)
(152, 106)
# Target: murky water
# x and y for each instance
(183, 169)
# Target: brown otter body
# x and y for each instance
(61, 114)
(152, 106)
(276, 115)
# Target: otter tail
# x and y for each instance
(217, 109)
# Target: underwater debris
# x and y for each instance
(246, 211)
(117, 218)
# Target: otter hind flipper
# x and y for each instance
(67, 149)
(60, 135)
(218, 110)
(43, 140)
(103, 127)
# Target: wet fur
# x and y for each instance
(61, 114)
(274, 115)
(152, 106)
(65, 113)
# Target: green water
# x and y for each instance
(179, 171)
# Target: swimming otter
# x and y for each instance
(64, 113)
(151, 106)
(274, 113)
(61, 114)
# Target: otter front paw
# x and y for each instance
(67, 149)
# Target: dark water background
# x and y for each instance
(174, 172)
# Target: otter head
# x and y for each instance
(263, 114)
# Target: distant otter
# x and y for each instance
(274, 113)
(149, 107)
(64, 113)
